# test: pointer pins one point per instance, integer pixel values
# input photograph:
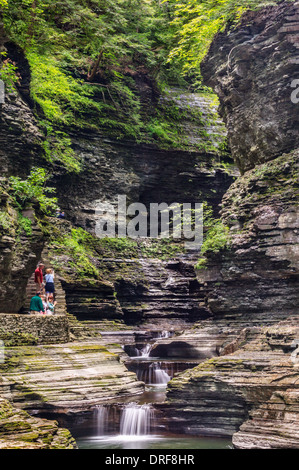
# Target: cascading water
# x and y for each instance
(136, 420)
(165, 334)
(156, 375)
(142, 425)
(159, 376)
(145, 352)
(102, 416)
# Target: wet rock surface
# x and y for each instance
(19, 257)
(71, 376)
(245, 301)
(218, 395)
(256, 278)
(146, 173)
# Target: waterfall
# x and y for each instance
(146, 350)
(153, 373)
(158, 376)
(102, 415)
(165, 334)
(135, 352)
(136, 420)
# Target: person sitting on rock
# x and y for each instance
(38, 277)
(51, 305)
(50, 288)
(36, 304)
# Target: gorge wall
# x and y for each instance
(145, 173)
(241, 307)
(252, 70)
(51, 365)
(252, 284)
(261, 207)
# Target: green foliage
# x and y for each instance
(25, 225)
(216, 238)
(112, 247)
(33, 189)
(165, 248)
(172, 119)
(84, 57)
(6, 221)
(162, 131)
(196, 23)
(88, 58)
(8, 73)
(63, 99)
(58, 149)
(76, 250)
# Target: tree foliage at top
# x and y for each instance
(197, 22)
(84, 55)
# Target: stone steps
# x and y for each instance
(31, 289)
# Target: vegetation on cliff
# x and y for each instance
(102, 65)
(77, 254)
(86, 59)
(18, 195)
(196, 22)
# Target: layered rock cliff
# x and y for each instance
(252, 283)
(19, 430)
(243, 299)
(252, 70)
(135, 283)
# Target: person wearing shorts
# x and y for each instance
(49, 287)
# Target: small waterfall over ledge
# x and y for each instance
(136, 420)
(128, 420)
(102, 416)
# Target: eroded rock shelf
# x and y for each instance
(233, 319)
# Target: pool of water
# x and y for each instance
(136, 426)
(140, 423)
(152, 442)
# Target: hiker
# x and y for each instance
(60, 214)
(38, 277)
(36, 304)
(51, 305)
(49, 278)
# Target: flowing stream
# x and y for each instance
(140, 424)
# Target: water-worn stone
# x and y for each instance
(45, 329)
(256, 278)
(19, 256)
(218, 395)
(61, 377)
(19, 430)
(273, 425)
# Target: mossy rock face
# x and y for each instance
(13, 338)
(254, 278)
(18, 430)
